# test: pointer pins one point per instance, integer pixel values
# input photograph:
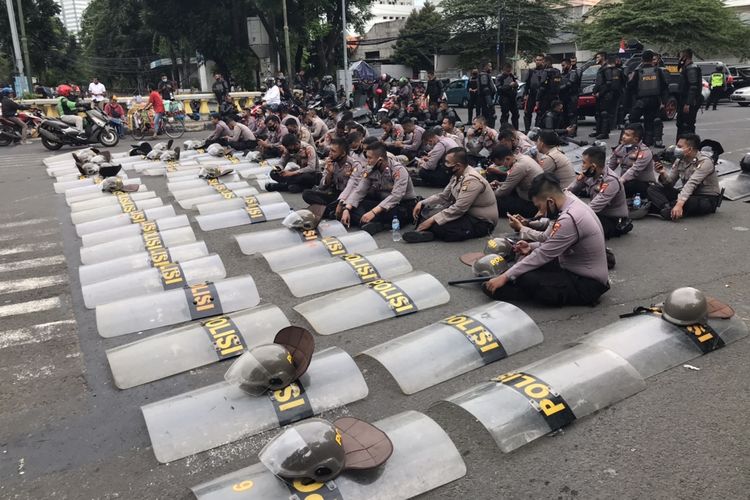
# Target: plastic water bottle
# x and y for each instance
(396, 229)
(637, 201)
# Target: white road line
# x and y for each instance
(29, 247)
(32, 263)
(35, 334)
(8, 236)
(13, 286)
(30, 307)
(28, 222)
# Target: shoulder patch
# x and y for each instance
(396, 174)
(603, 187)
(555, 229)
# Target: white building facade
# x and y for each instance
(389, 10)
(71, 14)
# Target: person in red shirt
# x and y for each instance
(116, 114)
(155, 101)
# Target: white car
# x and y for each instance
(741, 96)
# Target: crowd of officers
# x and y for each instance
(558, 240)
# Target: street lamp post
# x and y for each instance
(286, 41)
(347, 77)
(14, 37)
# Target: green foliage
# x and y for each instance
(423, 35)
(667, 26)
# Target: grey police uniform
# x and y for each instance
(390, 189)
(608, 201)
(555, 162)
(513, 192)
(636, 164)
(700, 191)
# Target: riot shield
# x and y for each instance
(106, 201)
(155, 279)
(108, 211)
(456, 345)
(736, 186)
(195, 345)
(94, 273)
(93, 187)
(122, 220)
(120, 232)
(236, 194)
(254, 172)
(240, 217)
(226, 203)
(653, 345)
(176, 306)
(134, 244)
(525, 404)
(423, 458)
(97, 194)
(222, 413)
(274, 239)
(186, 183)
(345, 270)
(372, 302)
(184, 194)
(319, 250)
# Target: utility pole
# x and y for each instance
(24, 44)
(286, 41)
(14, 36)
(499, 29)
(347, 76)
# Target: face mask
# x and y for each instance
(552, 211)
(590, 172)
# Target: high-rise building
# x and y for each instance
(71, 14)
(389, 10)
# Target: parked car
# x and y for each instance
(741, 97)
(708, 67)
(740, 76)
(457, 93)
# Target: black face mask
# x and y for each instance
(552, 211)
(681, 63)
(590, 172)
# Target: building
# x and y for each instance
(389, 10)
(71, 13)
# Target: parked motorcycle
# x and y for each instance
(9, 133)
(97, 129)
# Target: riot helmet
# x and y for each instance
(215, 150)
(499, 246)
(301, 219)
(745, 163)
(489, 266)
(685, 306)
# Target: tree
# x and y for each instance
(474, 25)
(706, 26)
(423, 35)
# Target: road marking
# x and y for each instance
(35, 334)
(32, 263)
(13, 286)
(29, 247)
(27, 235)
(24, 223)
(30, 307)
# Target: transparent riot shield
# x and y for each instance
(204, 190)
(108, 211)
(274, 239)
(241, 217)
(93, 187)
(120, 232)
(107, 201)
(186, 182)
(121, 220)
(223, 204)
(456, 345)
(134, 244)
(193, 203)
(195, 345)
(319, 250)
(70, 200)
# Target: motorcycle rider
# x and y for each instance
(534, 80)
(651, 90)
(404, 91)
(272, 97)
(570, 88)
(382, 89)
(328, 91)
(67, 107)
(10, 112)
(508, 84)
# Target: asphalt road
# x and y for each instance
(67, 432)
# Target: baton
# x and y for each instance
(470, 280)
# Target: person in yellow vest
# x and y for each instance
(717, 83)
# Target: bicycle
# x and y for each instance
(172, 126)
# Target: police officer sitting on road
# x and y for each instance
(450, 130)
(384, 191)
(411, 144)
(295, 180)
(516, 140)
(392, 134)
(606, 192)
(271, 146)
(465, 209)
(431, 167)
(483, 134)
(555, 121)
(339, 167)
(569, 267)
(635, 161)
(552, 160)
(651, 90)
(700, 193)
(513, 192)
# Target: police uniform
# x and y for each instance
(487, 97)
(513, 193)
(548, 91)
(465, 209)
(570, 89)
(536, 229)
(487, 138)
(319, 128)
(568, 268)
(332, 184)
(651, 89)
(274, 141)
(717, 86)
(432, 170)
(306, 177)
(610, 82)
(412, 143)
(700, 191)
(534, 80)
(636, 164)
(390, 189)
(508, 102)
(608, 201)
(556, 163)
(691, 86)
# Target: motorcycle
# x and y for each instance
(9, 133)
(32, 118)
(97, 129)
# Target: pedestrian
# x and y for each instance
(569, 267)
(97, 92)
(635, 161)
(472, 89)
(607, 194)
(465, 209)
(220, 87)
(166, 88)
(512, 191)
(299, 169)
(718, 86)
(156, 103)
(10, 110)
(116, 114)
(508, 87)
(610, 82)
(549, 90)
(651, 91)
(487, 92)
(691, 86)
(534, 79)
(384, 192)
(700, 193)
(570, 89)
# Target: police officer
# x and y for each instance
(552, 160)
(691, 86)
(339, 167)
(718, 86)
(651, 90)
(607, 194)
(271, 146)
(513, 192)
(569, 267)
(610, 82)
(465, 209)
(534, 79)
(549, 90)
(487, 95)
(570, 88)
(384, 191)
(295, 181)
(508, 85)
(411, 144)
(432, 171)
(700, 193)
(482, 134)
(635, 161)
